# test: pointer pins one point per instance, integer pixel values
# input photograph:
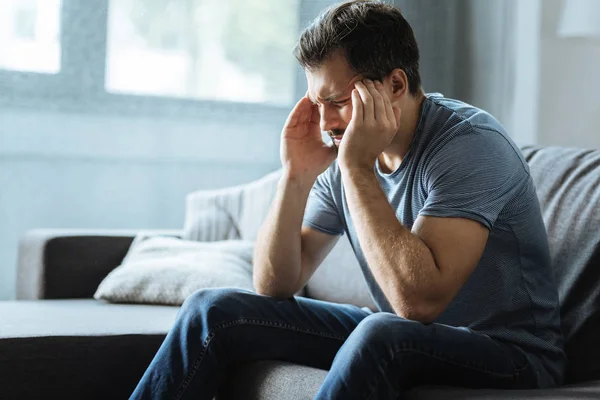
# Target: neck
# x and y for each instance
(392, 157)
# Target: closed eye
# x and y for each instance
(341, 102)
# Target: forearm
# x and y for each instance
(277, 255)
(400, 262)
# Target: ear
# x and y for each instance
(399, 82)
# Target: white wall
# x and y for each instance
(78, 170)
(569, 113)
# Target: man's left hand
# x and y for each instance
(373, 125)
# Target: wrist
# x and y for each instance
(348, 164)
(298, 179)
(356, 174)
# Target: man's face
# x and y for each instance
(330, 88)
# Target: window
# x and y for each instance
(152, 55)
(29, 35)
(231, 50)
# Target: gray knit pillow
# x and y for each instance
(209, 224)
(165, 270)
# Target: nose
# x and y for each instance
(329, 119)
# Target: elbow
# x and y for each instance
(423, 317)
(277, 294)
(425, 312)
(261, 288)
(269, 289)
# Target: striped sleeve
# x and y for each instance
(473, 176)
(321, 212)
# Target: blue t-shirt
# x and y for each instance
(462, 163)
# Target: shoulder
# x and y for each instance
(469, 135)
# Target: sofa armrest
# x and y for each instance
(62, 263)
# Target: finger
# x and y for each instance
(357, 106)
(307, 109)
(387, 105)
(315, 115)
(378, 104)
(367, 101)
(299, 112)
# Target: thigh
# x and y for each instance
(250, 326)
(446, 355)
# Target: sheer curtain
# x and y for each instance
(483, 52)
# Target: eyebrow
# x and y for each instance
(328, 99)
(333, 97)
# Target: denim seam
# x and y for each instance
(516, 371)
(241, 321)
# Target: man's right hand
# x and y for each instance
(303, 152)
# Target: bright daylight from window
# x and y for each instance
(228, 50)
(29, 35)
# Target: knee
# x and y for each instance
(207, 307)
(384, 329)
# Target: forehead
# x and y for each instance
(333, 78)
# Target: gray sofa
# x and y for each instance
(56, 341)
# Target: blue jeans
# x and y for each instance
(369, 355)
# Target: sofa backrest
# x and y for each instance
(568, 187)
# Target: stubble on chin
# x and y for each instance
(331, 135)
(335, 146)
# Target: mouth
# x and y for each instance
(336, 136)
(337, 139)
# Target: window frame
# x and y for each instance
(79, 85)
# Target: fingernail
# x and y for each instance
(368, 81)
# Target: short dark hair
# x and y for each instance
(374, 36)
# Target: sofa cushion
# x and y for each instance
(77, 349)
(568, 187)
(166, 270)
(207, 224)
(339, 279)
(240, 210)
(279, 380)
(582, 391)
(273, 380)
(82, 317)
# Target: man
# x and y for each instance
(441, 211)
